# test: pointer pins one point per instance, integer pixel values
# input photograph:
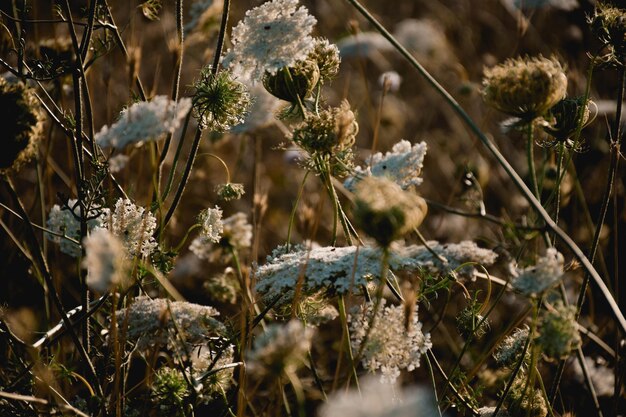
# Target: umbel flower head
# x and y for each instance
(394, 343)
(153, 322)
(403, 165)
(511, 348)
(282, 348)
(143, 121)
(66, 220)
(558, 333)
(544, 274)
(22, 123)
(375, 399)
(230, 191)
(385, 211)
(105, 260)
(609, 24)
(134, 226)
(525, 87)
(220, 101)
(271, 36)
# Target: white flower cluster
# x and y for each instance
(220, 375)
(236, 231)
(283, 347)
(343, 269)
(510, 349)
(154, 322)
(390, 346)
(348, 268)
(402, 165)
(212, 225)
(144, 120)
(377, 399)
(544, 274)
(134, 226)
(105, 260)
(415, 257)
(271, 36)
(66, 221)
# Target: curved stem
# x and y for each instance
(502, 161)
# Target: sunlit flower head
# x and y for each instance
(271, 36)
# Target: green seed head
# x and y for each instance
(220, 102)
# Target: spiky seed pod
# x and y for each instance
(609, 25)
(220, 101)
(22, 124)
(525, 87)
(293, 83)
(385, 211)
(565, 117)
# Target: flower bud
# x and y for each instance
(293, 83)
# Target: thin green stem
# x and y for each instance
(292, 216)
(530, 155)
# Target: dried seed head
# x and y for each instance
(609, 25)
(331, 131)
(22, 123)
(525, 87)
(385, 211)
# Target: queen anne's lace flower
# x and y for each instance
(236, 233)
(544, 274)
(509, 351)
(134, 226)
(280, 348)
(376, 399)
(105, 260)
(402, 165)
(66, 221)
(271, 36)
(212, 224)
(558, 333)
(346, 269)
(391, 344)
(154, 322)
(144, 120)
